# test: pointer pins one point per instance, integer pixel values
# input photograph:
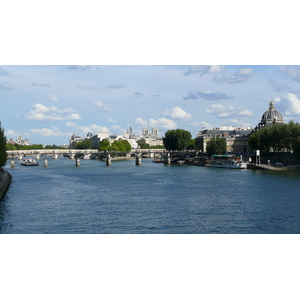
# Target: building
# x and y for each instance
(19, 141)
(237, 137)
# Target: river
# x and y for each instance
(148, 199)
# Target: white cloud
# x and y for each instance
(111, 120)
(49, 132)
(223, 111)
(73, 117)
(140, 121)
(41, 112)
(102, 105)
(205, 70)
(10, 133)
(242, 75)
(293, 104)
(245, 112)
(178, 113)
(70, 124)
(161, 123)
(118, 129)
(291, 72)
(53, 98)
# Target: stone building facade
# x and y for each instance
(237, 138)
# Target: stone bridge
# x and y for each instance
(72, 153)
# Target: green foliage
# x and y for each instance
(177, 139)
(86, 144)
(122, 146)
(279, 137)
(142, 143)
(216, 145)
(3, 154)
(192, 144)
(104, 145)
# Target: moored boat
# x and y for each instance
(228, 162)
(29, 162)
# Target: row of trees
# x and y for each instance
(122, 146)
(31, 147)
(279, 137)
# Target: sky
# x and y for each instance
(48, 103)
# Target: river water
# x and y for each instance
(148, 199)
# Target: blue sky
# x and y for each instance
(47, 103)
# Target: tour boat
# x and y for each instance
(227, 161)
(29, 162)
(86, 157)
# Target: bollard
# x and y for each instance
(108, 160)
(77, 162)
(138, 160)
(12, 164)
(45, 163)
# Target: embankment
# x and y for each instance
(5, 179)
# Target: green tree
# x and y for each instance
(104, 145)
(3, 154)
(142, 143)
(177, 139)
(216, 145)
(86, 144)
(277, 138)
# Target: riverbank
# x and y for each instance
(5, 179)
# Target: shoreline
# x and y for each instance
(5, 180)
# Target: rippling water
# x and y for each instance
(151, 198)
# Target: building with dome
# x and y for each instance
(270, 117)
(237, 137)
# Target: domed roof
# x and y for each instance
(272, 115)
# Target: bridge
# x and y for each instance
(73, 153)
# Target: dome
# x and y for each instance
(272, 115)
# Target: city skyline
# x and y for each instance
(48, 103)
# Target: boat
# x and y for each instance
(86, 157)
(228, 162)
(29, 162)
(197, 161)
(159, 160)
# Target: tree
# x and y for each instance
(3, 154)
(216, 145)
(177, 139)
(86, 144)
(142, 143)
(276, 138)
(104, 145)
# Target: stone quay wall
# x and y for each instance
(5, 179)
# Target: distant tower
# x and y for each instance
(145, 131)
(130, 131)
(155, 132)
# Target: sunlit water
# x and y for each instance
(151, 198)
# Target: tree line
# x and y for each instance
(277, 138)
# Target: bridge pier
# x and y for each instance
(77, 162)
(46, 163)
(12, 164)
(37, 156)
(20, 157)
(167, 159)
(108, 160)
(138, 160)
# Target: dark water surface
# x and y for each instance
(151, 198)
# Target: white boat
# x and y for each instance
(29, 162)
(86, 157)
(228, 162)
